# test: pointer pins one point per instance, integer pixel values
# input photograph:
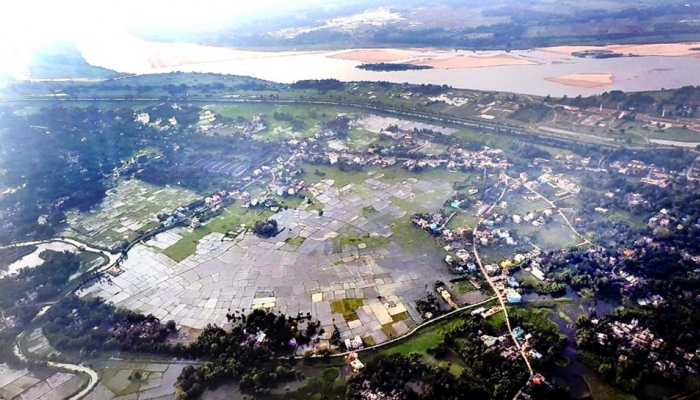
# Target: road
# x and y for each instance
(584, 240)
(414, 330)
(499, 294)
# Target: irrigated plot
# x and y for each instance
(358, 266)
(129, 207)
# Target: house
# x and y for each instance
(478, 311)
(489, 341)
(195, 223)
(537, 273)
(354, 343)
(518, 333)
(513, 297)
(356, 365)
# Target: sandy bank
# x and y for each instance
(586, 80)
(660, 49)
(375, 55)
(471, 61)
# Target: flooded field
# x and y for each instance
(334, 264)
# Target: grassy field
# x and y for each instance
(231, 219)
(316, 173)
(410, 237)
(344, 242)
(462, 220)
(347, 307)
(307, 120)
(463, 287)
(131, 206)
(425, 339)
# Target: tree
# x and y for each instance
(266, 229)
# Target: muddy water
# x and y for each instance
(629, 73)
(574, 375)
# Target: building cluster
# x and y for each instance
(206, 120)
(649, 173)
(197, 211)
(664, 221)
(560, 183)
(162, 125)
(632, 337)
(504, 345)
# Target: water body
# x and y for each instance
(629, 73)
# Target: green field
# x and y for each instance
(350, 242)
(316, 173)
(347, 308)
(231, 219)
(463, 287)
(283, 121)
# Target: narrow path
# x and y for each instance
(499, 294)
(584, 240)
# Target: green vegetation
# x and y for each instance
(92, 325)
(463, 287)
(258, 364)
(365, 242)
(427, 338)
(347, 307)
(295, 241)
(325, 384)
(231, 219)
(64, 61)
(497, 321)
(369, 211)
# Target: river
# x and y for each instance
(534, 71)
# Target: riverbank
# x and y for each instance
(520, 71)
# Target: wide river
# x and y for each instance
(536, 77)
